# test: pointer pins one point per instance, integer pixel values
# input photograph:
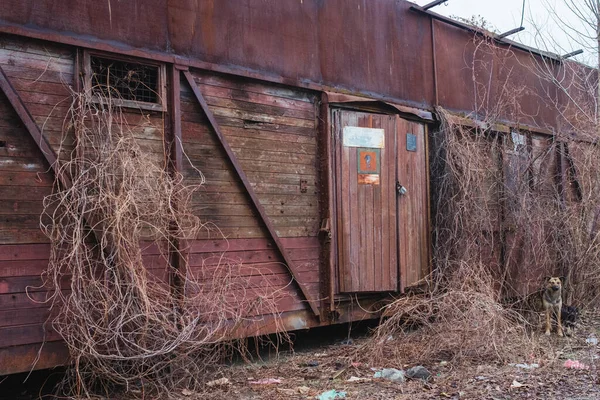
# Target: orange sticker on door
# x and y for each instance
(368, 179)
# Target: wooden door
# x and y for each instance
(413, 205)
(365, 159)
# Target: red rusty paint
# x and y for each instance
(381, 49)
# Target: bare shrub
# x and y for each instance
(510, 207)
(124, 324)
(461, 321)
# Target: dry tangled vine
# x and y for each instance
(510, 206)
(124, 324)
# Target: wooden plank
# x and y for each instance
(27, 179)
(199, 133)
(250, 190)
(29, 357)
(28, 334)
(28, 284)
(378, 206)
(26, 252)
(30, 124)
(393, 244)
(19, 71)
(19, 301)
(214, 266)
(19, 267)
(25, 316)
(246, 85)
(224, 245)
(243, 257)
(223, 90)
(244, 106)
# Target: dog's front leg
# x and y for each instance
(559, 329)
(548, 322)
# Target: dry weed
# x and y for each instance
(461, 321)
(126, 326)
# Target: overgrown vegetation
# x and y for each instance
(126, 325)
(511, 206)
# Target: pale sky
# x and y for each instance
(544, 22)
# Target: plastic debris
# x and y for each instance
(391, 374)
(218, 382)
(331, 395)
(592, 340)
(574, 364)
(312, 363)
(357, 379)
(303, 389)
(418, 372)
(526, 366)
(266, 381)
(347, 342)
(515, 384)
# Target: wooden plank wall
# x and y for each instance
(39, 73)
(43, 76)
(272, 132)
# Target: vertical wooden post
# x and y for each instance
(326, 206)
(174, 161)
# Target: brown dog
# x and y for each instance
(552, 301)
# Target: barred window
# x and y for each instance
(125, 82)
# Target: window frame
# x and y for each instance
(160, 106)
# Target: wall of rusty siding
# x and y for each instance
(139, 23)
(377, 46)
(478, 76)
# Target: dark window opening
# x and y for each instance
(124, 80)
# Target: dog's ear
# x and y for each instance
(562, 279)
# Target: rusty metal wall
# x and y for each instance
(377, 46)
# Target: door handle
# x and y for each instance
(400, 189)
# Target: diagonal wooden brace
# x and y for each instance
(34, 131)
(254, 199)
(17, 103)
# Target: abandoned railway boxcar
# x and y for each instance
(310, 121)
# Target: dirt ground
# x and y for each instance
(315, 368)
(306, 374)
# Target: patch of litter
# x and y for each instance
(515, 384)
(219, 382)
(418, 372)
(391, 374)
(266, 381)
(526, 366)
(592, 340)
(357, 379)
(574, 364)
(331, 395)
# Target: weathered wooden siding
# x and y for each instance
(39, 73)
(42, 74)
(413, 208)
(272, 132)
